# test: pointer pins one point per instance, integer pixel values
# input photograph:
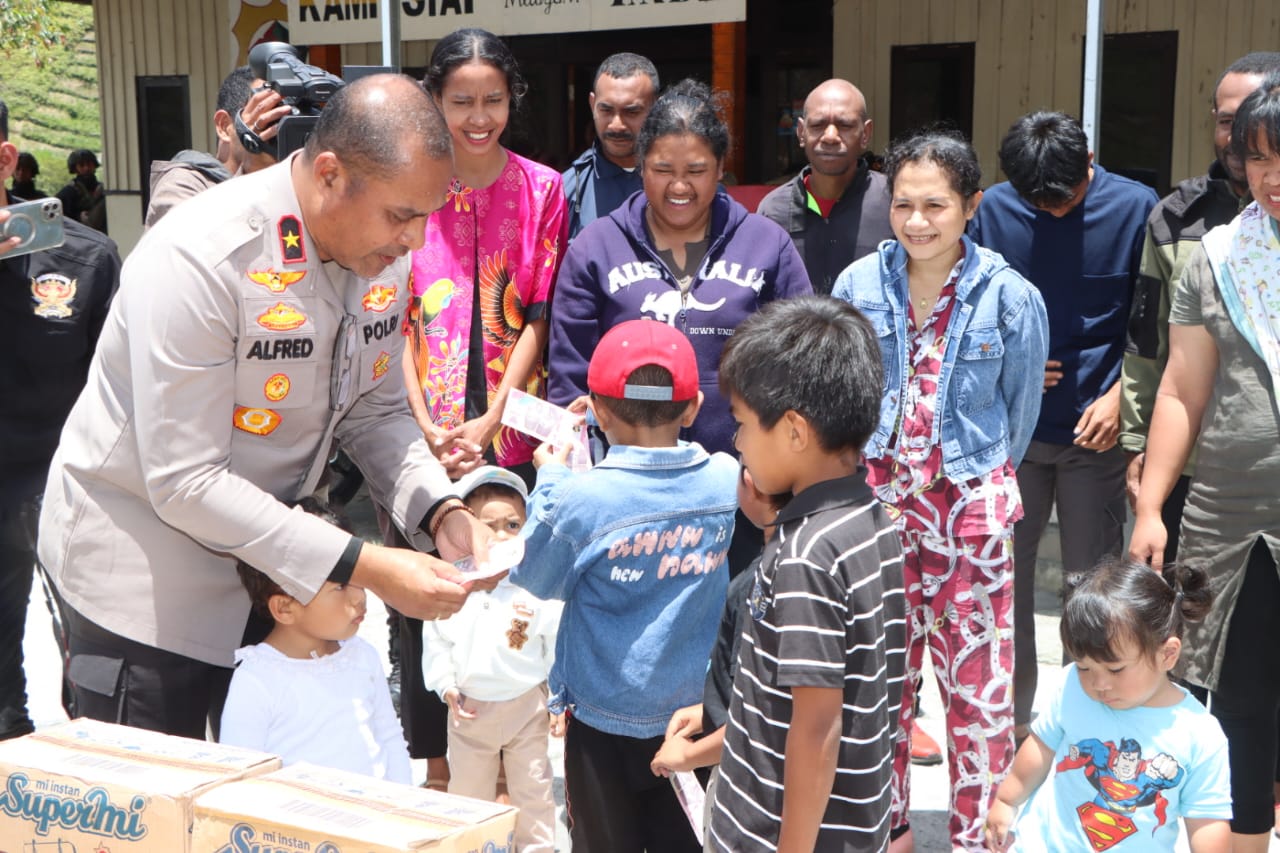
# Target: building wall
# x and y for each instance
(413, 54)
(1027, 56)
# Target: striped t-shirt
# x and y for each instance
(826, 609)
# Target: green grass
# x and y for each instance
(53, 105)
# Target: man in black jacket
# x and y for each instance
(836, 210)
(623, 92)
(52, 306)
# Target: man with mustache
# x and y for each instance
(622, 94)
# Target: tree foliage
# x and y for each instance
(27, 27)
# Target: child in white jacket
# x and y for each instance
(489, 662)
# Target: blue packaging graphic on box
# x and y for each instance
(90, 786)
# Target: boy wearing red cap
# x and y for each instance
(645, 533)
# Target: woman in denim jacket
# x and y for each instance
(962, 337)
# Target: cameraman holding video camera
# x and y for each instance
(242, 97)
(257, 322)
(52, 307)
(264, 111)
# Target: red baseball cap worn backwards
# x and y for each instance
(633, 344)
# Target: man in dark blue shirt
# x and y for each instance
(625, 87)
(1075, 231)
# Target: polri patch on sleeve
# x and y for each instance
(292, 248)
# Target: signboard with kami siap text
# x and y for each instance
(332, 22)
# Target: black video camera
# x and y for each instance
(305, 88)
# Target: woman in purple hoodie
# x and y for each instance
(680, 252)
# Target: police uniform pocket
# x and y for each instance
(280, 385)
(980, 358)
(377, 338)
(375, 363)
(278, 356)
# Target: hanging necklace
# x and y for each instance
(925, 300)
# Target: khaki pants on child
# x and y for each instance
(517, 730)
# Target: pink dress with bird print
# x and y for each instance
(499, 247)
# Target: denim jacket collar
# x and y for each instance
(893, 268)
(683, 455)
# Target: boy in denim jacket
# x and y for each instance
(644, 534)
(808, 749)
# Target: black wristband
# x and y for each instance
(346, 564)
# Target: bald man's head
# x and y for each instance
(379, 125)
(835, 130)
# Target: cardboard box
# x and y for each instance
(304, 807)
(90, 787)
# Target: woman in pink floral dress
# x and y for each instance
(477, 322)
(961, 334)
(482, 281)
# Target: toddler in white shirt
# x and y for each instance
(314, 691)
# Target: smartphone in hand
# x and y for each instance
(38, 224)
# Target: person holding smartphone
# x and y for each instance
(52, 305)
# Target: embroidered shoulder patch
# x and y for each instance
(275, 280)
(256, 421)
(277, 387)
(53, 293)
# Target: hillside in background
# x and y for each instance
(53, 107)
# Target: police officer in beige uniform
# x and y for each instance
(255, 324)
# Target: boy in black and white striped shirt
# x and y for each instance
(808, 752)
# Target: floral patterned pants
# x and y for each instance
(960, 601)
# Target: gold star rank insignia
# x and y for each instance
(292, 249)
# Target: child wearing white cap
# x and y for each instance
(489, 663)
